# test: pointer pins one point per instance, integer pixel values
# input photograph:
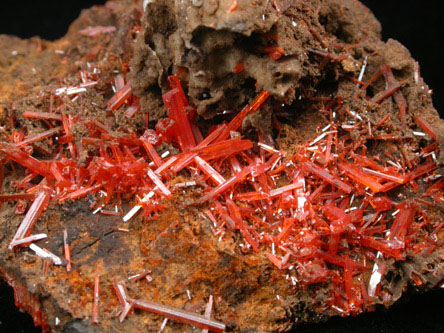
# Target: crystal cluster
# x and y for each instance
(322, 213)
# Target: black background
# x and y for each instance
(415, 23)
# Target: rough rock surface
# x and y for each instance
(324, 42)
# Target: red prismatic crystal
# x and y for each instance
(392, 88)
(252, 196)
(22, 158)
(165, 128)
(386, 176)
(121, 294)
(275, 260)
(402, 105)
(97, 125)
(209, 171)
(226, 185)
(213, 151)
(42, 115)
(38, 137)
(29, 239)
(425, 126)
(80, 193)
(384, 94)
(348, 279)
(215, 134)
(421, 170)
(176, 104)
(404, 218)
(132, 109)
(159, 183)
(139, 276)
(178, 315)
(120, 97)
(152, 152)
(339, 260)
(339, 221)
(278, 191)
(239, 118)
(381, 204)
(208, 310)
(165, 166)
(67, 251)
(46, 254)
(286, 230)
(123, 299)
(388, 248)
(223, 214)
(198, 137)
(313, 168)
(183, 161)
(31, 217)
(436, 191)
(224, 149)
(359, 176)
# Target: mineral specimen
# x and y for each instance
(230, 165)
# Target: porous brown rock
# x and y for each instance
(210, 39)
